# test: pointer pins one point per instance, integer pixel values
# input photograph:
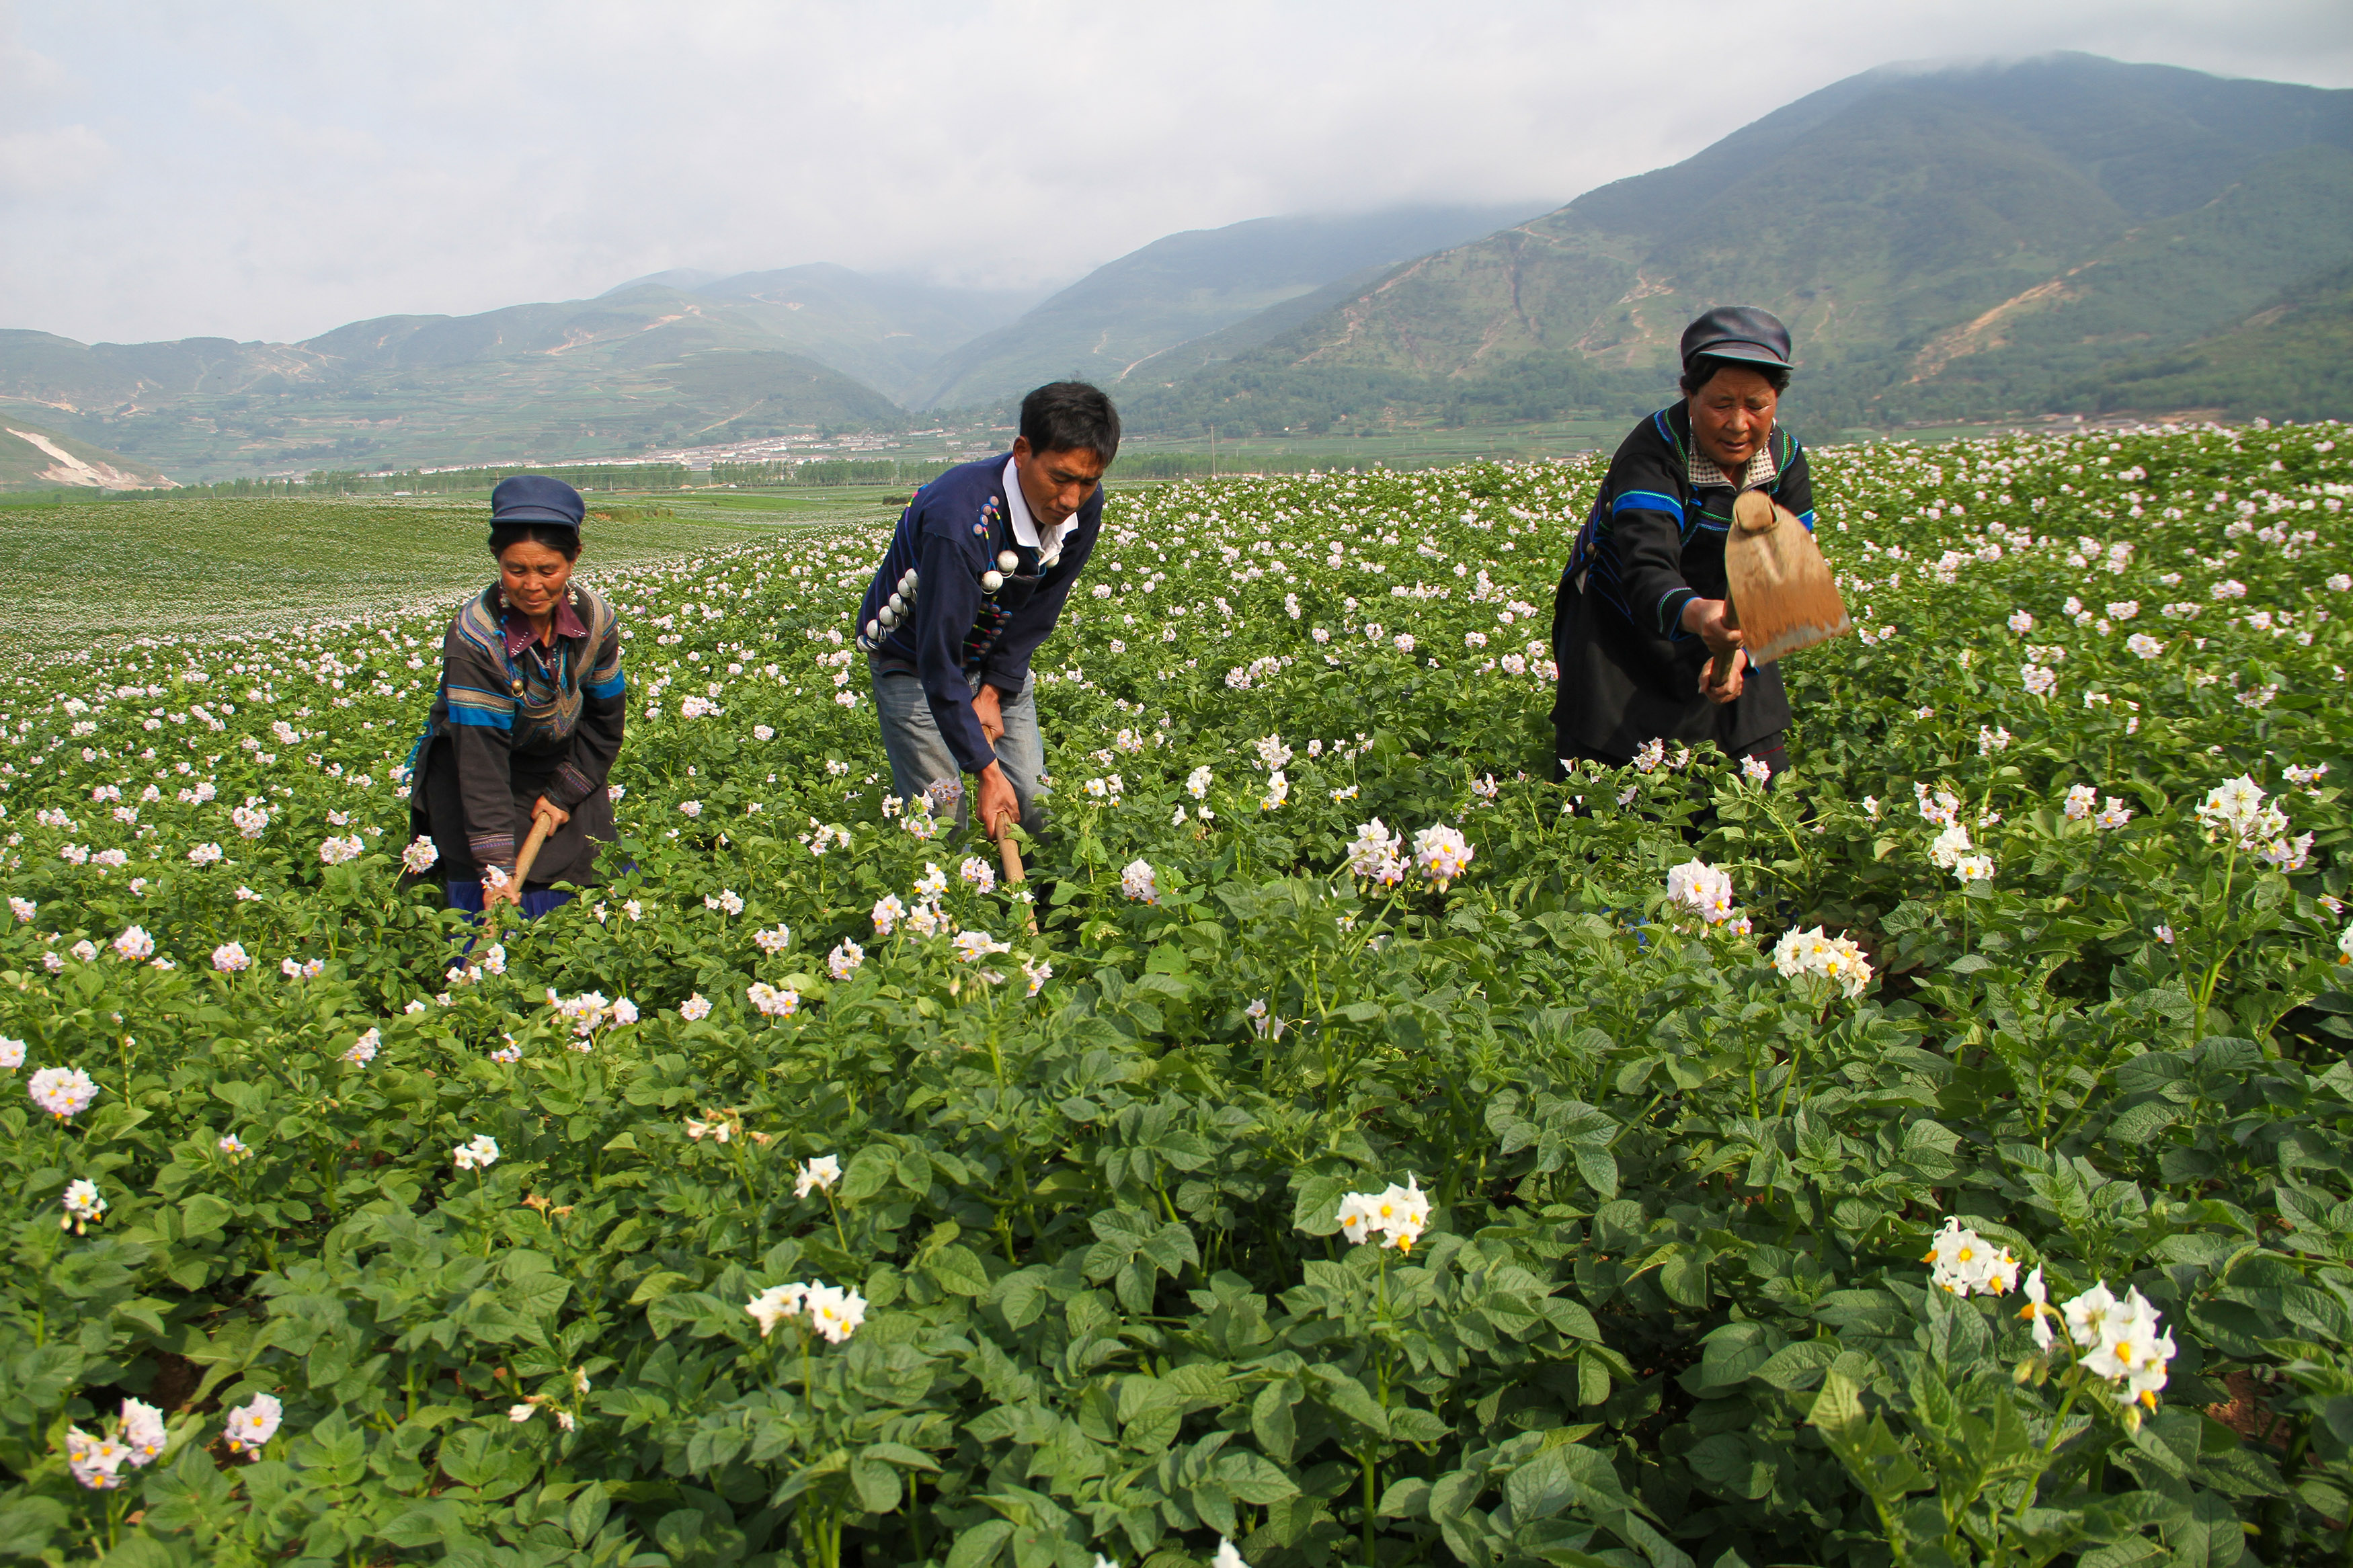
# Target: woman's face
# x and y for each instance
(1730, 415)
(534, 576)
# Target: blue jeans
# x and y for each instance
(919, 754)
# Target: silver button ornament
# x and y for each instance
(874, 628)
(1006, 561)
(897, 605)
(990, 581)
(888, 618)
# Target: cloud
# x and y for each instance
(58, 162)
(272, 169)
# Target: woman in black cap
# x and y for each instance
(1642, 606)
(529, 716)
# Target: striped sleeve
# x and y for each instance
(482, 734)
(1645, 538)
(605, 678)
(477, 709)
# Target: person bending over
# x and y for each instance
(528, 718)
(1641, 610)
(976, 574)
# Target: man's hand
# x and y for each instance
(999, 806)
(986, 706)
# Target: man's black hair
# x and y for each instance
(1702, 370)
(565, 541)
(1071, 415)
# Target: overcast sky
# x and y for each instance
(274, 168)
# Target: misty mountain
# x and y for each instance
(1119, 320)
(888, 332)
(589, 377)
(1944, 243)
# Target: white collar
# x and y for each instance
(1025, 527)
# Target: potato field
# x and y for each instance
(1349, 1146)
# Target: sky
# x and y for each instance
(271, 169)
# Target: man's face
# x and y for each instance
(1055, 484)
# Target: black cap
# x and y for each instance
(1741, 332)
(535, 497)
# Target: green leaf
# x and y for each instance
(877, 1484)
(202, 1214)
(957, 1271)
(1315, 1204)
(979, 1546)
(1345, 1395)
(657, 1285)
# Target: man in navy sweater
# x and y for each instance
(975, 577)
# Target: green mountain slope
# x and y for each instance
(1942, 243)
(542, 382)
(33, 458)
(1118, 319)
(887, 332)
(2291, 360)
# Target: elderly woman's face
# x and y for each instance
(534, 576)
(1731, 417)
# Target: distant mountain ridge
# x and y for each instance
(1961, 242)
(1944, 243)
(1186, 287)
(677, 357)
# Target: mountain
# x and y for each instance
(590, 377)
(682, 277)
(1119, 320)
(2292, 360)
(32, 458)
(1944, 242)
(887, 332)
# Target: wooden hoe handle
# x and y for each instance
(1010, 853)
(540, 828)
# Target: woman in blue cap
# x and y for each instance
(528, 720)
(1641, 609)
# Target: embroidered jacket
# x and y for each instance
(956, 631)
(524, 721)
(1654, 540)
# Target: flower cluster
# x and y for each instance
(83, 1206)
(1810, 954)
(818, 1176)
(2113, 1339)
(834, 1312)
(1140, 882)
(252, 1424)
(1702, 888)
(63, 1092)
(136, 1440)
(1443, 854)
(1376, 854)
(478, 1153)
(773, 1002)
(1398, 1214)
(2236, 810)
(1962, 1261)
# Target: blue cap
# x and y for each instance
(535, 497)
(1740, 332)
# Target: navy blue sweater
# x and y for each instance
(956, 631)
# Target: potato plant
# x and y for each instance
(1350, 1145)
